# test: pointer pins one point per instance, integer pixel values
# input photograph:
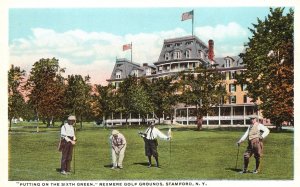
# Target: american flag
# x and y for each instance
(187, 15)
(126, 47)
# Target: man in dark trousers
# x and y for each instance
(68, 140)
(150, 139)
(255, 133)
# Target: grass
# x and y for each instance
(208, 154)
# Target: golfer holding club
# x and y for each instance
(150, 139)
(255, 133)
(118, 146)
(68, 140)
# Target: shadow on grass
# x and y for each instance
(108, 166)
(233, 169)
(141, 163)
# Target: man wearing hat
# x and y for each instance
(118, 147)
(255, 133)
(150, 139)
(68, 140)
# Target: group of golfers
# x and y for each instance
(255, 134)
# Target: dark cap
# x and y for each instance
(253, 117)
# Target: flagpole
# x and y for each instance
(131, 52)
(193, 23)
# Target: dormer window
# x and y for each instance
(118, 74)
(201, 54)
(188, 54)
(227, 63)
(177, 55)
(148, 71)
(135, 72)
(167, 56)
(189, 43)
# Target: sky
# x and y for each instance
(87, 41)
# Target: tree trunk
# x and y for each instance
(10, 124)
(80, 121)
(199, 122)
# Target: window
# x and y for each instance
(232, 99)
(177, 44)
(189, 43)
(117, 85)
(177, 55)
(148, 71)
(245, 98)
(188, 54)
(227, 63)
(201, 54)
(118, 74)
(232, 87)
(232, 74)
(135, 72)
(167, 56)
(160, 68)
(244, 87)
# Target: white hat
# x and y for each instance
(114, 132)
(72, 118)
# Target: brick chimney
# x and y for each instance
(211, 54)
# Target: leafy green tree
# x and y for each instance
(141, 102)
(16, 102)
(269, 59)
(46, 89)
(103, 100)
(78, 96)
(163, 96)
(134, 98)
(202, 88)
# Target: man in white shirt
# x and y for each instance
(68, 140)
(118, 146)
(150, 139)
(255, 133)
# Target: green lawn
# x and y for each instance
(208, 154)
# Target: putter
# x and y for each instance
(74, 157)
(237, 156)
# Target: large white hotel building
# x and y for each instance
(186, 53)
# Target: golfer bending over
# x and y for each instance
(118, 146)
(150, 139)
(255, 133)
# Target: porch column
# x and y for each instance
(219, 115)
(187, 116)
(231, 115)
(139, 119)
(244, 114)
(121, 119)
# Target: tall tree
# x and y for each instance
(269, 58)
(103, 101)
(78, 96)
(204, 89)
(134, 98)
(163, 95)
(46, 89)
(16, 102)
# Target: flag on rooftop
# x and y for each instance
(187, 15)
(126, 47)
